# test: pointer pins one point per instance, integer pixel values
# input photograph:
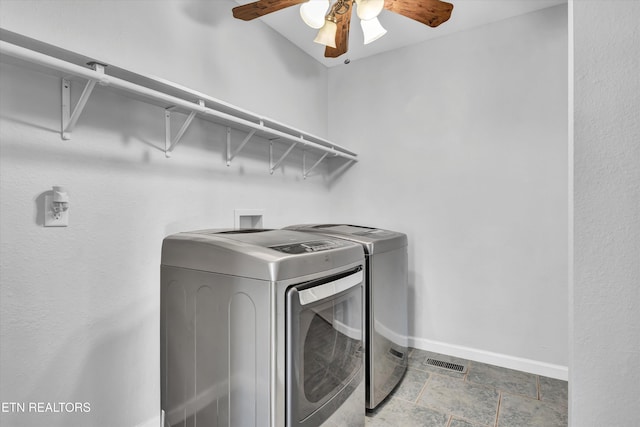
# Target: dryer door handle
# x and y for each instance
(327, 290)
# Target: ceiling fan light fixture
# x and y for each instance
(327, 34)
(372, 30)
(333, 29)
(369, 9)
(313, 12)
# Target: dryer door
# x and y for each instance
(324, 346)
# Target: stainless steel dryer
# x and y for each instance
(386, 322)
(261, 328)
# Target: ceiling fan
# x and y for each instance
(334, 20)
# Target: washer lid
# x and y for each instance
(374, 240)
(258, 253)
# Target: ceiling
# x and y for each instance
(401, 31)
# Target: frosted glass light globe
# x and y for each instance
(313, 12)
(327, 34)
(372, 30)
(369, 9)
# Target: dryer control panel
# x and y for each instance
(306, 247)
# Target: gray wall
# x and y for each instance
(605, 345)
(464, 147)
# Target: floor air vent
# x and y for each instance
(446, 365)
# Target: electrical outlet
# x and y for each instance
(51, 218)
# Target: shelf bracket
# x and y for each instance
(273, 166)
(305, 171)
(230, 155)
(69, 119)
(169, 143)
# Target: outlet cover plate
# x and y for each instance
(50, 219)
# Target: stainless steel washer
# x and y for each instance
(261, 328)
(386, 322)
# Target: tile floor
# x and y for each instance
(483, 396)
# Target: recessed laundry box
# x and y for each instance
(261, 328)
(386, 321)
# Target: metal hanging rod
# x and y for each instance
(97, 75)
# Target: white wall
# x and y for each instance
(605, 346)
(463, 146)
(79, 306)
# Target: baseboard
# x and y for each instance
(511, 362)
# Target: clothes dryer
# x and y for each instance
(386, 298)
(261, 328)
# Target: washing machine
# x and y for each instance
(386, 298)
(261, 328)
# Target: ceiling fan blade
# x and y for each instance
(254, 10)
(428, 12)
(342, 35)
